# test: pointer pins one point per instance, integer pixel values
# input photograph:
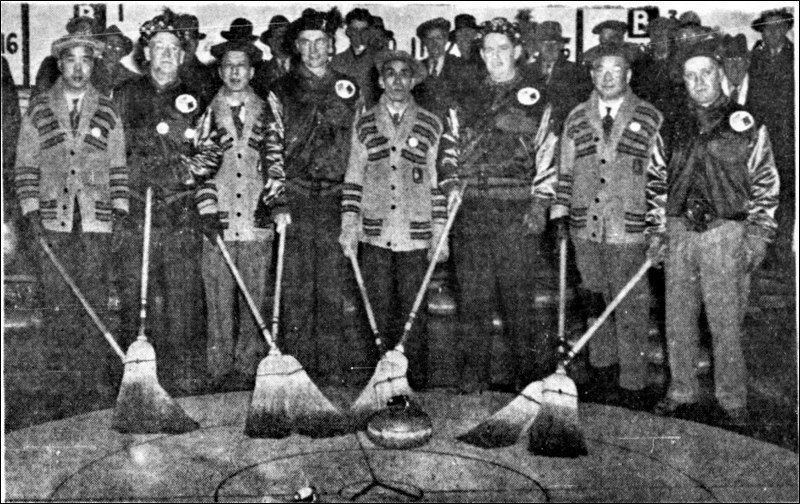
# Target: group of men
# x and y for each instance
(366, 154)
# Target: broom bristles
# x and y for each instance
(389, 380)
(285, 400)
(143, 406)
(505, 426)
(556, 430)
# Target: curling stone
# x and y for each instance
(400, 425)
(441, 302)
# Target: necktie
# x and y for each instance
(237, 120)
(433, 69)
(75, 116)
(396, 118)
(608, 123)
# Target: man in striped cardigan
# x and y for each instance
(611, 193)
(391, 201)
(72, 183)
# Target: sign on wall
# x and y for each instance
(638, 19)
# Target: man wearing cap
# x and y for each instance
(316, 105)
(201, 77)
(610, 196)
(772, 74)
(281, 62)
(735, 63)
(358, 60)
(71, 181)
(465, 37)
(229, 206)
(117, 46)
(721, 199)
(160, 113)
(563, 83)
(241, 31)
(391, 201)
(612, 33)
(500, 144)
(442, 88)
(656, 79)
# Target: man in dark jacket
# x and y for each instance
(443, 86)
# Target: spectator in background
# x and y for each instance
(735, 63)
(281, 62)
(655, 79)
(117, 46)
(611, 33)
(358, 61)
(527, 28)
(380, 39)
(443, 86)
(772, 74)
(202, 78)
(465, 37)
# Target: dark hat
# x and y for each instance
(433, 24)
(190, 26)
(327, 22)
(167, 21)
(733, 47)
(662, 24)
(114, 31)
(241, 29)
(463, 21)
(81, 31)
(774, 16)
(549, 30)
(377, 22)
(83, 24)
(254, 53)
(276, 22)
(610, 24)
(383, 57)
(689, 18)
(503, 26)
(707, 45)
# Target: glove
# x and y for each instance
(445, 253)
(453, 197)
(756, 249)
(211, 226)
(35, 227)
(282, 219)
(656, 248)
(562, 228)
(349, 236)
(535, 218)
(273, 190)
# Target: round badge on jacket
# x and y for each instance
(96, 132)
(741, 120)
(162, 128)
(413, 142)
(528, 96)
(189, 133)
(186, 103)
(635, 127)
(345, 89)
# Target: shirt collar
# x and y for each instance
(613, 104)
(71, 99)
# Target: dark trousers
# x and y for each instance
(74, 345)
(392, 280)
(175, 322)
(496, 265)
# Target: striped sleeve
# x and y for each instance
(546, 148)
(119, 175)
(353, 188)
(438, 200)
(207, 156)
(448, 154)
(656, 188)
(564, 177)
(274, 152)
(27, 172)
(206, 199)
(764, 188)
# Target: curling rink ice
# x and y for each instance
(632, 456)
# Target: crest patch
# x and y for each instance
(345, 89)
(741, 120)
(186, 103)
(528, 96)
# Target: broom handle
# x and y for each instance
(428, 274)
(273, 349)
(82, 299)
(610, 308)
(367, 306)
(276, 305)
(148, 225)
(562, 295)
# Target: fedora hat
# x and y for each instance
(241, 29)
(549, 30)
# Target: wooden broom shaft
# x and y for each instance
(276, 305)
(428, 274)
(148, 225)
(367, 306)
(610, 308)
(562, 294)
(246, 293)
(82, 299)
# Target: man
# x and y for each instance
(117, 46)
(442, 88)
(241, 30)
(281, 61)
(465, 37)
(358, 61)
(196, 74)
(72, 185)
(500, 144)
(316, 105)
(392, 204)
(772, 72)
(563, 83)
(611, 33)
(656, 79)
(229, 206)
(722, 193)
(611, 187)
(735, 63)
(160, 113)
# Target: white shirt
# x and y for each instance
(614, 105)
(233, 103)
(71, 105)
(744, 86)
(395, 110)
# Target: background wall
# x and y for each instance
(48, 20)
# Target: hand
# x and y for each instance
(453, 198)
(756, 249)
(656, 248)
(535, 218)
(348, 239)
(274, 189)
(445, 252)
(211, 226)
(35, 227)
(282, 219)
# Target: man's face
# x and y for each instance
(358, 35)
(549, 50)
(465, 40)
(499, 54)
(397, 79)
(736, 68)
(275, 41)
(235, 70)
(76, 65)
(114, 51)
(773, 33)
(165, 53)
(435, 42)
(687, 36)
(703, 78)
(314, 47)
(610, 75)
(611, 36)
